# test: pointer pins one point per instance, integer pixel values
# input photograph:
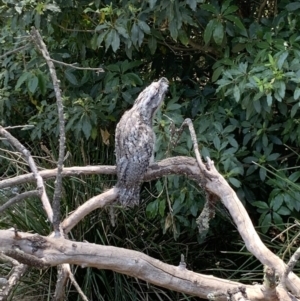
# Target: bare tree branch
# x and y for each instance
(98, 201)
(39, 180)
(16, 273)
(290, 266)
(76, 285)
(76, 67)
(62, 137)
(55, 251)
(62, 278)
(219, 186)
(176, 165)
(13, 51)
(260, 10)
(18, 198)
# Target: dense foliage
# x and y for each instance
(233, 68)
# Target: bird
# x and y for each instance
(135, 140)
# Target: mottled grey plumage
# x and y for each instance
(135, 141)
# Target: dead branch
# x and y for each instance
(14, 51)
(62, 137)
(98, 201)
(219, 186)
(290, 266)
(16, 273)
(177, 165)
(188, 122)
(56, 251)
(39, 180)
(260, 10)
(76, 67)
(18, 198)
(76, 285)
(65, 273)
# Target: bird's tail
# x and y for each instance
(129, 196)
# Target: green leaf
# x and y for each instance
(297, 93)
(25, 75)
(235, 182)
(218, 33)
(281, 90)
(126, 65)
(276, 202)
(294, 176)
(162, 207)
(33, 83)
(152, 44)
(109, 38)
(282, 59)
(173, 29)
(122, 31)
(144, 27)
(265, 140)
(232, 142)
(101, 26)
(257, 106)
(217, 143)
(262, 174)
(100, 39)
(266, 223)
(236, 93)
(205, 152)
(269, 99)
(294, 109)
(236, 21)
(113, 68)
(284, 211)
(134, 34)
(86, 127)
(277, 219)
(209, 30)
(292, 6)
(217, 73)
(151, 209)
(225, 5)
(42, 83)
(261, 205)
(71, 77)
(134, 79)
(173, 106)
(183, 38)
(210, 8)
(152, 3)
(273, 157)
(192, 4)
(115, 44)
(230, 10)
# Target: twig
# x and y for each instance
(290, 266)
(25, 126)
(260, 10)
(188, 122)
(74, 282)
(75, 67)
(62, 138)
(76, 30)
(39, 180)
(19, 197)
(13, 51)
(16, 273)
(62, 277)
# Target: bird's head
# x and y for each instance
(150, 99)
